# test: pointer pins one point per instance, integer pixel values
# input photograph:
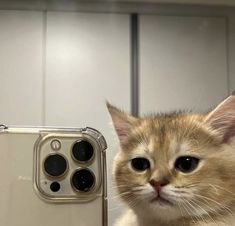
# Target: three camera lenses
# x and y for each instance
(82, 151)
(55, 165)
(83, 180)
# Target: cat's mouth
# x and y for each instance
(161, 201)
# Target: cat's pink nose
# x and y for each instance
(157, 185)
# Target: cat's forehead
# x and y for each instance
(170, 135)
(160, 129)
(156, 145)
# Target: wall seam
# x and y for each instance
(134, 36)
(227, 53)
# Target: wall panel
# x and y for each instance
(21, 53)
(88, 62)
(183, 62)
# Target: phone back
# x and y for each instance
(52, 177)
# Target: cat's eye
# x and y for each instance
(186, 164)
(140, 164)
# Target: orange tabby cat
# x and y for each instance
(177, 169)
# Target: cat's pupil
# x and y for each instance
(186, 164)
(140, 164)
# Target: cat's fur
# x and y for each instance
(205, 196)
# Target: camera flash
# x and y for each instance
(55, 145)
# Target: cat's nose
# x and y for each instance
(157, 185)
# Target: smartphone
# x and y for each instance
(52, 177)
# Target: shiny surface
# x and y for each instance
(186, 164)
(18, 197)
(55, 145)
(140, 164)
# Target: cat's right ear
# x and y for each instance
(122, 122)
(222, 119)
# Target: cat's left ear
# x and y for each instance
(222, 119)
(123, 123)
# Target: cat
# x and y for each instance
(176, 169)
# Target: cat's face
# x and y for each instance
(176, 165)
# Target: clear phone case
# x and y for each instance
(52, 177)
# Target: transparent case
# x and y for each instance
(52, 176)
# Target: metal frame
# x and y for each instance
(84, 197)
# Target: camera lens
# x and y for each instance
(83, 180)
(82, 151)
(55, 165)
(55, 186)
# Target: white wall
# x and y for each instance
(21, 67)
(183, 63)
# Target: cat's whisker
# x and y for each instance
(184, 206)
(209, 199)
(178, 204)
(195, 210)
(132, 203)
(187, 208)
(217, 203)
(214, 186)
(120, 195)
(190, 206)
(137, 188)
(205, 212)
(207, 204)
(124, 186)
(120, 185)
(116, 208)
(179, 191)
(224, 189)
(189, 185)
